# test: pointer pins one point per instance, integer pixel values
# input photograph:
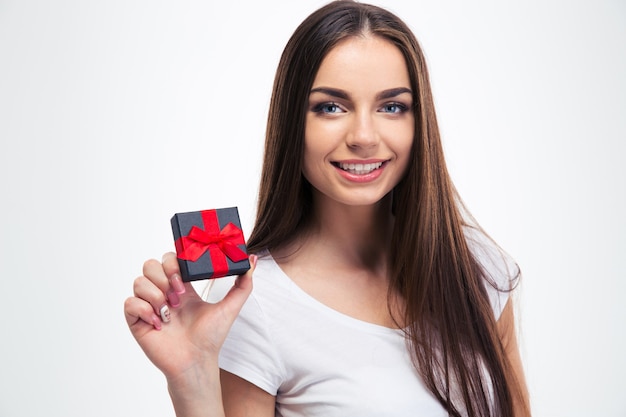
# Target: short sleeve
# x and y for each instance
(248, 351)
(501, 270)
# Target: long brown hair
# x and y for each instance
(451, 329)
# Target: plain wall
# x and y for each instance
(116, 114)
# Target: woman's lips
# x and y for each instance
(359, 168)
(360, 171)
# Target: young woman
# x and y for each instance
(373, 294)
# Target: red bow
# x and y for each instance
(219, 243)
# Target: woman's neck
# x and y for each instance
(342, 260)
(358, 235)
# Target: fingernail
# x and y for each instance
(177, 283)
(156, 322)
(172, 297)
(165, 313)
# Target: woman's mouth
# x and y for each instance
(358, 169)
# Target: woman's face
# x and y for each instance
(360, 123)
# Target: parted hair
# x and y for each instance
(451, 330)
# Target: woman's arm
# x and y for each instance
(508, 336)
(182, 334)
(198, 393)
(242, 398)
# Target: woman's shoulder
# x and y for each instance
(501, 271)
(494, 260)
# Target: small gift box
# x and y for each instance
(209, 244)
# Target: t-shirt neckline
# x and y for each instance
(323, 308)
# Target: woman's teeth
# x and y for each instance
(360, 169)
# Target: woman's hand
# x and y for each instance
(186, 347)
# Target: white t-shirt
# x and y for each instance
(319, 362)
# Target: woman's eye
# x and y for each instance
(328, 108)
(393, 108)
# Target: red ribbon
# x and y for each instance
(219, 243)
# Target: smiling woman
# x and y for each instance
(374, 295)
(359, 127)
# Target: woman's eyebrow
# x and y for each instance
(335, 92)
(393, 92)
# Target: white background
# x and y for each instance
(116, 114)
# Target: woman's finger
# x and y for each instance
(238, 294)
(145, 289)
(155, 271)
(139, 311)
(170, 265)
(172, 271)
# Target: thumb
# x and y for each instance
(241, 289)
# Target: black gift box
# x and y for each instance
(209, 244)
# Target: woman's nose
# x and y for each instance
(362, 132)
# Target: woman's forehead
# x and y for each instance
(363, 62)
